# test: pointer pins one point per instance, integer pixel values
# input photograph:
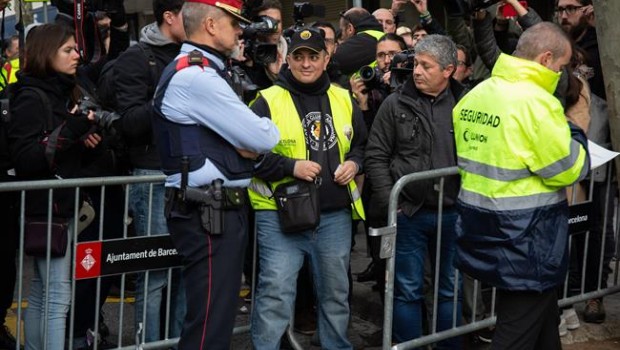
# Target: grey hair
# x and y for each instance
(542, 37)
(440, 47)
(194, 14)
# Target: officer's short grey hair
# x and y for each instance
(440, 47)
(194, 14)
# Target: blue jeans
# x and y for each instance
(281, 256)
(59, 298)
(416, 236)
(157, 280)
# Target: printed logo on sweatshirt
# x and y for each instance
(312, 130)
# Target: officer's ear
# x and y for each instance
(209, 25)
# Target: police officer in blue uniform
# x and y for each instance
(209, 143)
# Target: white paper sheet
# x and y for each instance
(599, 155)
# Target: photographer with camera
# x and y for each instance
(372, 85)
(50, 137)
(264, 46)
(82, 16)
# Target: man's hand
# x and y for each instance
(358, 88)
(421, 6)
(588, 13)
(92, 140)
(306, 170)
(345, 172)
(386, 77)
(397, 6)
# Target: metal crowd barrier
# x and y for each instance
(388, 239)
(167, 262)
(388, 243)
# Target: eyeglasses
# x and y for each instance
(382, 55)
(344, 16)
(569, 10)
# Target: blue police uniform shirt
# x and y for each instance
(198, 95)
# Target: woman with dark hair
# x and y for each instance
(49, 138)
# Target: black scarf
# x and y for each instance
(288, 81)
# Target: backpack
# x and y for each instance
(5, 119)
(106, 84)
(106, 98)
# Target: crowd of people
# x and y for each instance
(302, 136)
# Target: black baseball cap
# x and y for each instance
(307, 38)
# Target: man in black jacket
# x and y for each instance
(413, 132)
(135, 86)
(360, 31)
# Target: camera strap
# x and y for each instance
(78, 21)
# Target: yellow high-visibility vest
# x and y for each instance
(292, 142)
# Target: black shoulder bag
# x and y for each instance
(298, 200)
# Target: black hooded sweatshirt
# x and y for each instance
(311, 100)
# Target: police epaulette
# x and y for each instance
(194, 58)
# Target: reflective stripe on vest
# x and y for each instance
(511, 203)
(292, 142)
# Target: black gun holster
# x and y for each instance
(211, 202)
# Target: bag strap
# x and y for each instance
(52, 138)
(148, 52)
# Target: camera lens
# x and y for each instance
(367, 73)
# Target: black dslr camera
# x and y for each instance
(371, 76)
(103, 119)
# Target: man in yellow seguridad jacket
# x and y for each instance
(516, 154)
